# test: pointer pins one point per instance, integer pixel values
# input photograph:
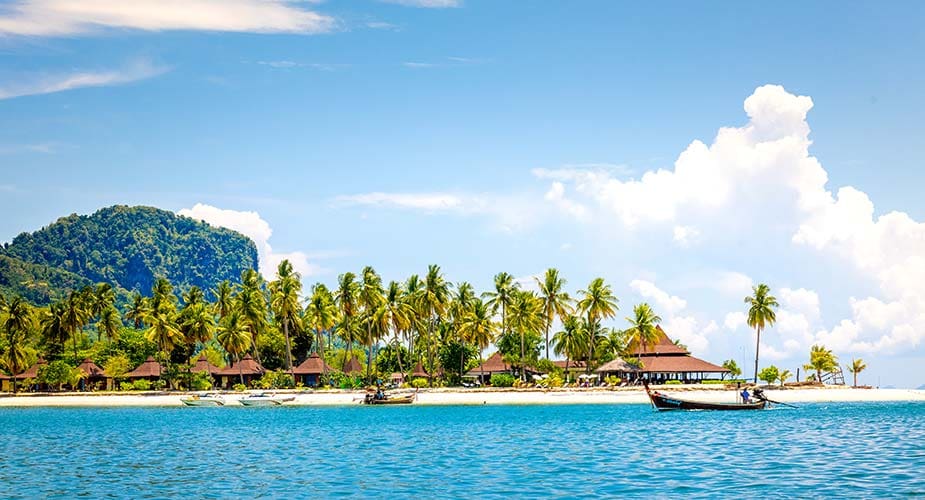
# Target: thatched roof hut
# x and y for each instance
(203, 365)
(247, 366)
(149, 369)
(92, 370)
(32, 372)
(314, 365)
(353, 366)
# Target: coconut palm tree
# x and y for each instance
(137, 310)
(164, 332)
(459, 308)
(370, 299)
(568, 341)
(103, 297)
(395, 312)
(224, 299)
(642, 330)
(501, 296)
(17, 322)
(783, 376)
(822, 360)
(284, 299)
(54, 331)
(74, 318)
(761, 315)
(321, 315)
(556, 302)
(197, 326)
(435, 295)
(346, 299)
(479, 327)
(856, 367)
(413, 291)
(251, 302)
(596, 302)
(525, 315)
(235, 337)
(109, 324)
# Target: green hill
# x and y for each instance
(126, 246)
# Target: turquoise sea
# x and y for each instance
(818, 451)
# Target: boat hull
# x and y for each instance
(664, 402)
(403, 400)
(264, 401)
(197, 401)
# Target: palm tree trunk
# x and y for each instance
(547, 339)
(523, 358)
(369, 356)
(855, 381)
(461, 360)
(590, 343)
(567, 359)
(240, 369)
(757, 345)
(288, 345)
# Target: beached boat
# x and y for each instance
(384, 399)
(264, 399)
(664, 402)
(203, 400)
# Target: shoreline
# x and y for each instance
(455, 396)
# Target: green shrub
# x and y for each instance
(200, 381)
(274, 380)
(419, 383)
(613, 380)
(673, 382)
(502, 380)
(554, 381)
(126, 386)
(239, 387)
(141, 385)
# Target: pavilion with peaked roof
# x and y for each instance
(494, 364)
(310, 371)
(248, 369)
(149, 370)
(95, 377)
(32, 373)
(660, 362)
(352, 366)
(203, 365)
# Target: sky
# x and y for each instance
(683, 152)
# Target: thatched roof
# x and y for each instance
(247, 366)
(314, 365)
(663, 346)
(678, 364)
(494, 364)
(33, 371)
(149, 369)
(203, 365)
(575, 364)
(615, 365)
(353, 366)
(91, 369)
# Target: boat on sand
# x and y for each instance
(664, 402)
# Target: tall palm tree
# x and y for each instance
(137, 310)
(18, 321)
(284, 299)
(525, 315)
(103, 298)
(556, 301)
(54, 331)
(642, 331)
(479, 327)
(370, 299)
(434, 297)
(109, 324)
(321, 315)
(460, 306)
(251, 302)
(193, 296)
(856, 367)
(761, 315)
(596, 302)
(74, 318)
(395, 311)
(235, 337)
(164, 332)
(501, 296)
(413, 288)
(568, 341)
(346, 299)
(198, 326)
(224, 299)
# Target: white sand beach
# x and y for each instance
(477, 397)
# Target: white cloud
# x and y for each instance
(685, 236)
(431, 202)
(735, 320)
(68, 18)
(138, 70)
(677, 323)
(257, 229)
(663, 301)
(429, 4)
(556, 195)
(285, 64)
(733, 284)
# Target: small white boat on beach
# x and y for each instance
(264, 399)
(203, 400)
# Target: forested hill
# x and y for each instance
(127, 247)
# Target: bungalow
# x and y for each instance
(203, 365)
(310, 371)
(94, 376)
(32, 374)
(660, 362)
(149, 370)
(494, 364)
(248, 370)
(353, 366)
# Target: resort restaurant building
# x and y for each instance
(660, 362)
(248, 369)
(310, 371)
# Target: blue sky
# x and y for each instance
(505, 136)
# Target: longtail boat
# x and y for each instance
(373, 399)
(664, 402)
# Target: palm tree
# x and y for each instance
(395, 311)
(109, 324)
(321, 315)
(235, 337)
(568, 341)
(822, 360)
(346, 299)
(433, 301)
(502, 296)
(137, 310)
(198, 326)
(614, 343)
(761, 314)
(526, 315)
(556, 302)
(370, 299)
(460, 307)
(224, 299)
(642, 330)
(74, 318)
(284, 298)
(18, 321)
(54, 331)
(252, 304)
(783, 377)
(856, 367)
(596, 302)
(103, 298)
(413, 288)
(479, 327)
(164, 332)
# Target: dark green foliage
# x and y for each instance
(387, 360)
(502, 380)
(126, 246)
(450, 355)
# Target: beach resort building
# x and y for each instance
(148, 370)
(31, 376)
(203, 366)
(353, 366)
(248, 369)
(494, 364)
(94, 377)
(660, 362)
(310, 371)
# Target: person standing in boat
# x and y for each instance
(745, 396)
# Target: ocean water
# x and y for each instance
(817, 451)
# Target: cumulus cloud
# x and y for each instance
(68, 18)
(253, 226)
(556, 195)
(663, 301)
(137, 70)
(676, 321)
(735, 320)
(685, 236)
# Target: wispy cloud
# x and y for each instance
(381, 25)
(284, 64)
(431, 202)
(43, 148)
(447, 62)
(417, 65)
(68, 17)
(428, 4)
(138, 70)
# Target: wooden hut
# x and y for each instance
(95, 377)
(32, 373)
(148, 370)
(494, 364)
(309, 372)
(662, 361)
(353, 367)
(203, 365)
(247, 368)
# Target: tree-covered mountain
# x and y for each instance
(127, 247)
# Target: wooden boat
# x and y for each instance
(385, 399)
(664, 402)
(262, 399)
(203, 400)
